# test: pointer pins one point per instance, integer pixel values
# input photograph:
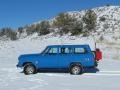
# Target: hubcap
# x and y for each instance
(76, 70)
(30, 70)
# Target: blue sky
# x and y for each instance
(16, 13)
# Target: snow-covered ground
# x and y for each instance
(11, 78)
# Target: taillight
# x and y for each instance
(98, 55)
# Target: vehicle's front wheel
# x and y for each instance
(29, 69)
(76, 69)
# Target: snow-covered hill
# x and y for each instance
(107, 29)
(107, 24)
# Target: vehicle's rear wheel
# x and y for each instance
(29, 69)
(76, 69)
(96, 64)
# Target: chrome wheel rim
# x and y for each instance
(30, 70)
(76, 70)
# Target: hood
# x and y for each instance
(24, 56)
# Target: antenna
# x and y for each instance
(95, 42)
(60, 38)
(95, 45)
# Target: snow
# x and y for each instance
(11, 78)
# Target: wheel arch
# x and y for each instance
(75, 63)
(27, 63)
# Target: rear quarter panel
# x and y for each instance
(85, 59)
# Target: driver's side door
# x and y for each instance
(49, 58)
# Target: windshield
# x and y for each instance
(45, 50)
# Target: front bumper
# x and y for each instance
(19, 66)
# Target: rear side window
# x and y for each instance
(79, 50)
(65, 50)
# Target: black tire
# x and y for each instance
(76, 69)
(96, 64)
(29, 69)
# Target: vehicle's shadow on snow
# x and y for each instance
(86, 70)
(53, 71)
(91, 70)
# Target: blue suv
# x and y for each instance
(71, 57)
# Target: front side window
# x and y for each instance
(79, 50)
(52, 51)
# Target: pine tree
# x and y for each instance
(77, 28)
(90, 19)
(20, 30)
(64, 22)
(30, 29)
(43, 28)
(8, 32)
